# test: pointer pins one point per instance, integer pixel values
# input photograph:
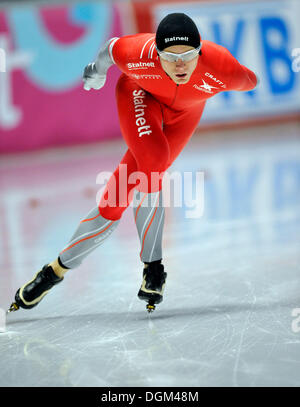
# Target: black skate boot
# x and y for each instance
(34, 291)
(152, 288)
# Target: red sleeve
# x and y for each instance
(240, 77)
(244, 79)
(226, 66)
(129, 48)
(119, 50)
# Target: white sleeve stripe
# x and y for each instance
(153, 48)
(150, 50)
(145, 46)
(110, 48)
(152, 45)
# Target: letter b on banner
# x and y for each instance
(278, 63)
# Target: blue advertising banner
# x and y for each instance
(262, 35)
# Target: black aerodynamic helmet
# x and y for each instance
(177, 29)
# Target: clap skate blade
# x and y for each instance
(150, 307)
(14, 307)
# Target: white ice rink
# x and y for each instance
(231, 309)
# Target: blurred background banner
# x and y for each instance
(45, 48)
(260, 34)
(42, 101)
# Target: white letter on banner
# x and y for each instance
(296, 61)
(2, 60)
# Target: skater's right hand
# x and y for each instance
(91, 78)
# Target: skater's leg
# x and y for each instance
(90, 233)
(149, 215)
(178, 129)
(141, 123)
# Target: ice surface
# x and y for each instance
(233, 275)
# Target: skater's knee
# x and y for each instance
(111, 213)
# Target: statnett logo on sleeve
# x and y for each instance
(140, 65)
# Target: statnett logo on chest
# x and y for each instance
(140, 65)
(222, 84)
(139, 108)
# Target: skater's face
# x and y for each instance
(179, 71)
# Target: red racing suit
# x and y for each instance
(157, 116)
